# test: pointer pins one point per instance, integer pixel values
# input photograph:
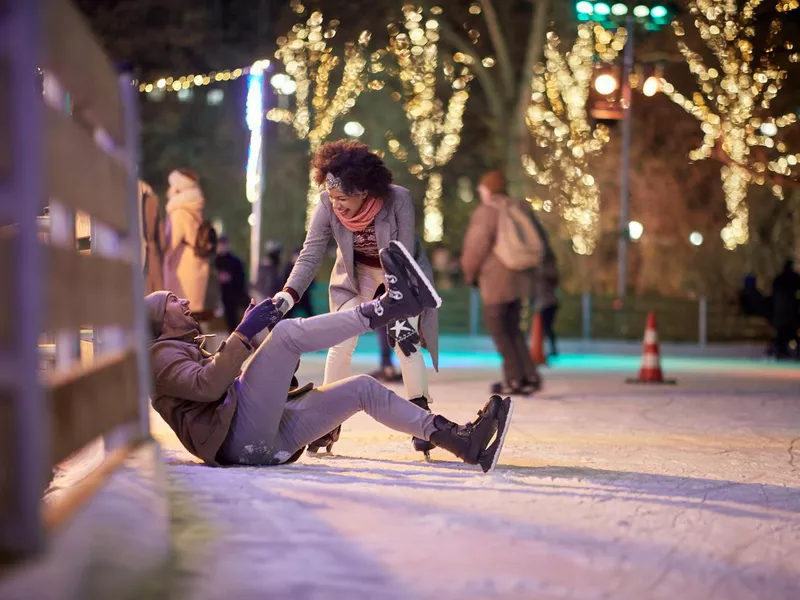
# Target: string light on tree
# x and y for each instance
(730, 102)
(175, 83)
(310, 62)
(559, 121)
(435, 127)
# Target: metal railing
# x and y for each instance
(68, 148)
(598, 317)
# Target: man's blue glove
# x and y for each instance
(257, 317)
(403, 334)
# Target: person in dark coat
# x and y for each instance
(786, 309)
(270, 277)
(153, 239)
(302, 307)
(232, 283)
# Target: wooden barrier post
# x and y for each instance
(81, 158)
(25, 452)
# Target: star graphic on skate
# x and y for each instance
(399, 327)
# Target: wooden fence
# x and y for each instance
(68, 150)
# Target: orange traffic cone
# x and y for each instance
(537, 347)
(650, 371)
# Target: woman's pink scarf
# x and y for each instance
(369, 210)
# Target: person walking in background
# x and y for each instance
(502, 288)
(546, 300)
(232, 283)
(187, 259)
(303, 306)
(153, 239)
(786, 310)
(363, 212)
(270, 280)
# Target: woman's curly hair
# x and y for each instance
(355, 164)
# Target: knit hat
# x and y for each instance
(494, 181)
(156, 304)
(182, 179)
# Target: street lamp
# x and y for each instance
(635, 230)
(605, 84)
(354, 129)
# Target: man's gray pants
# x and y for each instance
(268, 429)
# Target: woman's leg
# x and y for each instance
(325, 408)
(415, 375)
(337, 365)
(264, 384)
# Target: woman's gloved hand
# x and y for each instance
(404, 336)
(257, 317)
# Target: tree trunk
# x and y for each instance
(794, 198)
(517, 137)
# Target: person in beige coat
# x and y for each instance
(185, 274)
(362, 211)
(502, 289)
(153, 239)
(226, 413)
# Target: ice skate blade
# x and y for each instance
(427, 456)
(500, 442)
(422, 277)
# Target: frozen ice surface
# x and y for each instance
(604, 491)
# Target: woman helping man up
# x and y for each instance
(224, 415)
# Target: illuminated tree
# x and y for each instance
(310, 61)
(500, 41)
(558, 120)
(733, 103)
(435, 126)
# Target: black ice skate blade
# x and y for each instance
(496, 447)
(420, 275)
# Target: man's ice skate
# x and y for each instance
(481, 441)
(421, 445)
(326, 441)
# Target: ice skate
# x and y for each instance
(421, 445)
(326, 441)
(408, 291)
(481, 441)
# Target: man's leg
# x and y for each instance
(265, 382)
(495, 319)
(231, 314)
(321, 410)
(526, 368)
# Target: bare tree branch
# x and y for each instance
(489, 86)
(776, 179)
(532, 56)
(500, 46)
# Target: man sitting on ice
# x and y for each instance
(225, 416)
